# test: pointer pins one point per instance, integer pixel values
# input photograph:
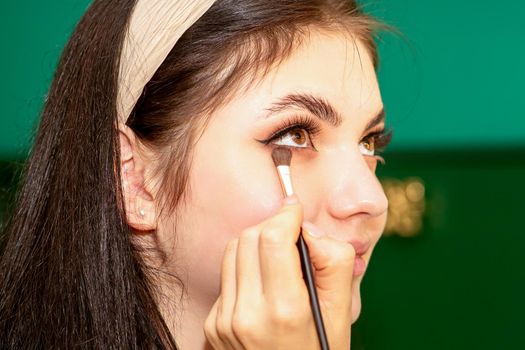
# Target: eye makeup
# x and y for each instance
(310, 125)
(372, 145)
(379, 139)
(375, 143)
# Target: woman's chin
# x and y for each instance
(356, 303)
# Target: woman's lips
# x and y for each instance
(361, 247)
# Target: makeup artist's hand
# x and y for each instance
(264, 303)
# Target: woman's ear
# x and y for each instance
(138, 198)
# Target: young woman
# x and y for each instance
(151, 215)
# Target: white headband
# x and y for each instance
(154, 28)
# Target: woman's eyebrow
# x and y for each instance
(378, 119)
(318, 107)
(315, 105)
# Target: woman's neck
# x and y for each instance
(185, 317)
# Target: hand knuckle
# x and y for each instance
(243, 326)
(271, 236)
(224, 327)
(209, 327)
(288, 316)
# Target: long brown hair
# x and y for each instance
(70, 274)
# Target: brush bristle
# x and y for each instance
(282, 156)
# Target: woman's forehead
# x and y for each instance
(330, 67)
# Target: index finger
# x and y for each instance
(290, 217)
(278, 254)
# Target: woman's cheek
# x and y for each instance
(238, 195)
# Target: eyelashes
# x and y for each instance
(375, 142)
(379, 139)
(312, 128)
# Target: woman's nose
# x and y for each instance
(353, 186)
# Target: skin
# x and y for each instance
(233, 241)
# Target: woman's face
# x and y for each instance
(328, 91)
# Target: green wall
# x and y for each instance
(457, 78)
(32, 36)
(452, 86)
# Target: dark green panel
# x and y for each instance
(460, 283)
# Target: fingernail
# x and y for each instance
(312, 230)
(290, 200)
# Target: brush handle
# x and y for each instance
(308, 276)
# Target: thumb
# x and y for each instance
(333, 263)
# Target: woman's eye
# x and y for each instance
(367, 147)
(294, 138)
(375, 144)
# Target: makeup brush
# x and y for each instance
(282, 158)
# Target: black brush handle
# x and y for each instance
(308, 276)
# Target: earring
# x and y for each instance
(142, 212)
